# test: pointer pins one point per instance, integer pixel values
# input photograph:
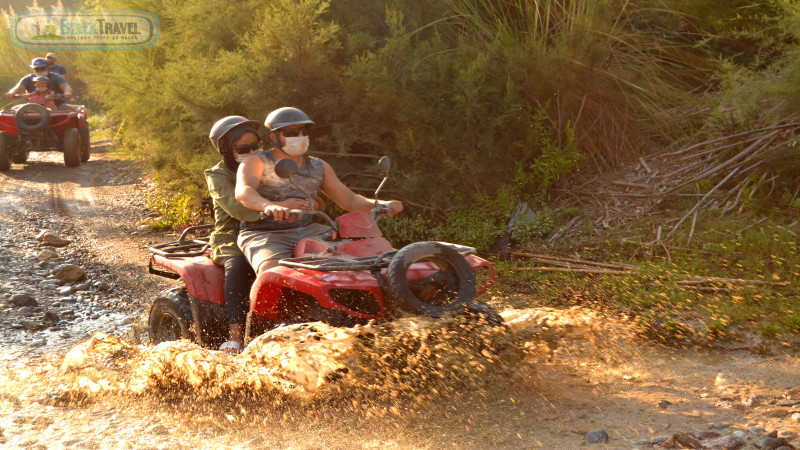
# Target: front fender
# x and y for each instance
(266, 298)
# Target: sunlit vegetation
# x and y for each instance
(758, 268)
(484, 104)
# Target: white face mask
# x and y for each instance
(240, 159)
(296, 146)
(42, 89)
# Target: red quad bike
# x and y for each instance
(33, 128)
(350, 276)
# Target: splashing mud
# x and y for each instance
(414, 358)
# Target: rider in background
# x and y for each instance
(56, 68)
(264, 242)
(56, 83)
(235, 138)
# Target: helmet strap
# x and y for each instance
(275, 143)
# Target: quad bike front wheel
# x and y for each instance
(71, 145)
(486, 313)
(85, 144)
(5, 162)
(170, 317)
(441, 281)
(32, 117)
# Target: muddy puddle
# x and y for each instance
(382, 385)
(543, 379)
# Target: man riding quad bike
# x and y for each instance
(34, 127)
(350, 276)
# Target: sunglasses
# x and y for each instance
(294, 132)
(39, 69)
(241, 149)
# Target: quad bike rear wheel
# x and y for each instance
(85, 144)
(32, 122)
(448, 289)
(170, 317)
(21, 154)
(20, 157)
(5, 162)
(71, 145)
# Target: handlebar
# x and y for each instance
(297, 214)
(379, 211)
(55, 97)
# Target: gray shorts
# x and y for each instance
(260, 246)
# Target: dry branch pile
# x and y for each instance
(575, 265)
(736, 162)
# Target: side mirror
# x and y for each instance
(383, 166)
(383, 170)
(285, 168)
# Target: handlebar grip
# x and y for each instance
(294, 214)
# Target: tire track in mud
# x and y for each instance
(95, 204)
(44, 187)
(56, 203)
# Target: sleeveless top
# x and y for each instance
(275, 189)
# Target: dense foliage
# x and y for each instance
(479, 103)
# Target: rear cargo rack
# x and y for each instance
(183, 247)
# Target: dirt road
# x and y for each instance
(586, 374)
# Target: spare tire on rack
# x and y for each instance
(448, 284)
(31, 122)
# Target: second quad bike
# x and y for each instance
(34, 128)
(351, 275)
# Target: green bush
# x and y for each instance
(471, 96)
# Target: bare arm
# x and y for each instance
(247, 180)
(66, 89)
(18, 89)
(248, 177)
(347, 199)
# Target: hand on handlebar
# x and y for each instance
(389, 208)
(278, 212)
(386, 208)
(396, 207)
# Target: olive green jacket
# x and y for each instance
(228, 212)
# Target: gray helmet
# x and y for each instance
(41, 80)
(286, 116)
(224, 125)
